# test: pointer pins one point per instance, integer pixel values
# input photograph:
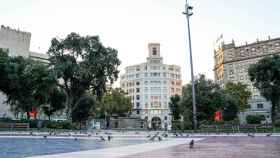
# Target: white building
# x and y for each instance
(150, 86)
(232, 63)
(18, 44)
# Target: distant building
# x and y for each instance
(232, 63)
(150, 86)
(18, 44)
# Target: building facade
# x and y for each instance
(232, 63)
(18, 44)
(150, 86)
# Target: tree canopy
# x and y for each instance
(56, 102)
(239, 93)
(174, 106)
(83, 64)
(265, 75)
(115, 103)
(209, 98)
(25, 82)
(83, 109)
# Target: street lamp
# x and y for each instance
(188, 12)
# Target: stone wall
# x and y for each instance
(18, 42)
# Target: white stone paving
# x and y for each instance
(117, 152)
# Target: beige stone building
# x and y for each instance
(150, 86)
(18, 44)
(232, 63)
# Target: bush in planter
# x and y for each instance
(6, 120)
(277, 123)
(59, 125)
(255, 119)
(177, 125)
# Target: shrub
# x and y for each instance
(277, 123)
(59, 125)
(255, 119)
(177, 125)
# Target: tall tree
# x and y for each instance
(230, 108)
(26, 83)
(240, 93)
(115, 103)
(83, 64)
(56, 102)
(265, 75)
(209, 98)
(83, 109)
(174, 106)
(3, 62)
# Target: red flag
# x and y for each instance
(33, 113)
(218, 115)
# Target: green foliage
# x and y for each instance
(59, 125)
(115, 103)
(209, 98)
(255, 119)
(230, 108)
(174, 106)
(265, 76)
(83, 64)
(277, 123)
(83, 109)
(56, 102)
(25, 82)
(239, 93)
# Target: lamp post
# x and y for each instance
(188, 12)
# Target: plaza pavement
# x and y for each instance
(118, 152)
(221, 147)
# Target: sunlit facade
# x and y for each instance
(150, 86)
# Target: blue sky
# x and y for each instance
(129, 25)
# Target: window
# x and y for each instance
(260, 106)
(137, 83)
(137, 104)
(137, 75)
(155, 74)
(154, 51)
(146, 97)
(137, 112)
(165, 117)
(137, 97)
(137, 90)
(146, 89)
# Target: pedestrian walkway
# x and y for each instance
(220, 147)
(118, 152)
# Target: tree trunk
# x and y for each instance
(49, 117)
(27, 114)
(273, 113)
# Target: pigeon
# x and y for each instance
(251, 135)
(268, 135)
(102, 138)
(192, 144)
